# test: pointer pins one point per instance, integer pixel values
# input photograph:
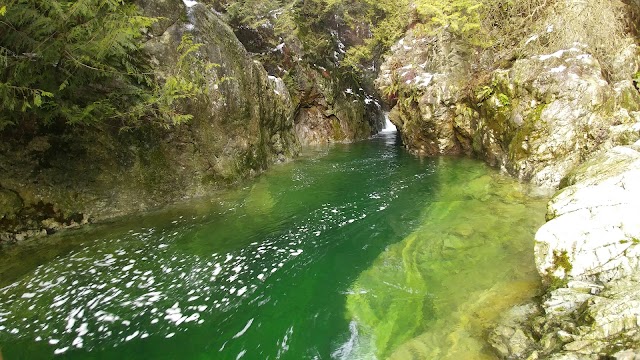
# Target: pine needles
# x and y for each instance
(80, 62)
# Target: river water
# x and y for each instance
(357, 251)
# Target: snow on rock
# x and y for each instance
(189, 3)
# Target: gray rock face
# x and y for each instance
(593, 233)
(335, 111)
(248, 116)
(536, 120)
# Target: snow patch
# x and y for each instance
(531, 39)
(189, 3)
(558, 69)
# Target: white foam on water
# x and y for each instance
(345, 350)
(244, 330)
(357, 347)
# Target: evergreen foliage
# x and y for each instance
(390, 19)
(298, 25)
(80, 62)
(387, 21)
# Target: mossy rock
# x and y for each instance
(10, 204)
(629, 98)
(337, 131)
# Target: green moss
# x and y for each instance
(630, 99)
(561, 260)
(10, 204)
(483, 93)
(554, 282)
(524, 133)
(504, 99)
(337, 131)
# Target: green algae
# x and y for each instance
(433, 294)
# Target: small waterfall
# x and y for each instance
(388, 125)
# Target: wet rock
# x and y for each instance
(509, 338)
(334, 111)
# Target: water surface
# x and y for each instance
(358, 251)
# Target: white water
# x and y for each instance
(388, 125)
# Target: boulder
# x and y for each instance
(593, 232)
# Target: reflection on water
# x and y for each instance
(282, 268)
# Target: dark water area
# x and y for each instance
(334, 256)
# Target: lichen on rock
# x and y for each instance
(536, 117)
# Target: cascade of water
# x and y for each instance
(388, 125)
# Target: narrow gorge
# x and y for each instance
(320, 179)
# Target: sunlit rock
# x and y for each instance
(593, 232)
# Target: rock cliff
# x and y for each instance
(537, 119)
(64, 176)
(331, 100)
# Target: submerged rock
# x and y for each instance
(401, 304)
(509, 338)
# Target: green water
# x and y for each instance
(358, 251)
